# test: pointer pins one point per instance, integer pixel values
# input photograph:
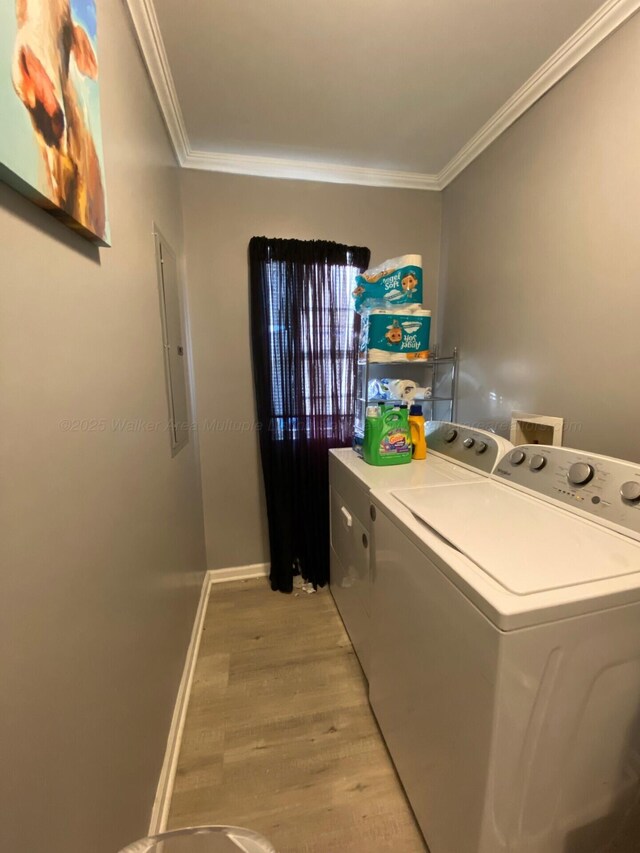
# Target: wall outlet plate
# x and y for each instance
(527, 428)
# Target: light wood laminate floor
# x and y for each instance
(279, 735)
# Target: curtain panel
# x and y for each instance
(303, 331)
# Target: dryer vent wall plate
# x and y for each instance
(527, 428)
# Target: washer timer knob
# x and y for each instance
(469, 442)
(481, 448)
(581, 473)
(451, 436)
(630, 491)
(517, 457)
(538, 462)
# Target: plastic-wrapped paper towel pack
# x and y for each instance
(395, 334)
(394, 327)
(397, 281)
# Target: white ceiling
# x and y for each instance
(398, 85)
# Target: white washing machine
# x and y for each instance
(505, 666)
(457, 454)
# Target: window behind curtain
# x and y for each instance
(304, 358)
(326, 348)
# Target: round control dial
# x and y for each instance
(481, 448)
(469, 442)
(537, 462)
(451, 436)
(517, 457)
(581, 473)
(630, 491)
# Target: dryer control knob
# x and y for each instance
(581, 473)
(469, 442)
(630, 491)
(451, 436)
(538, 462)
(517, 457)
(481, 448)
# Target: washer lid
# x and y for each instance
(526, 545)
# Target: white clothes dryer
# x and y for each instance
(457, 454)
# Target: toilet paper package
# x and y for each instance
(395, 335)
(397, 281)
(405, 390)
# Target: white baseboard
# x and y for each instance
(239, 573)
(164, 792)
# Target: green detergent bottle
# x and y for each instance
(387, 438)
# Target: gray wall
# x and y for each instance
(541, 259)
(101, 537)
(222, 213)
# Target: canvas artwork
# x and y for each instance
(50, 134)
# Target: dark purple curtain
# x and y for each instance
(304, 354)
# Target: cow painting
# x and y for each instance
(53, 145)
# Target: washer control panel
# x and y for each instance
(607, 489)
(475, 448)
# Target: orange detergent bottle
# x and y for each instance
(418, 438)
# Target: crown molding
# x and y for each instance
(595, 30)
(306, 170)
(611, 15)
(147, 29)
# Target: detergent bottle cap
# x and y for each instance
(416, 409)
